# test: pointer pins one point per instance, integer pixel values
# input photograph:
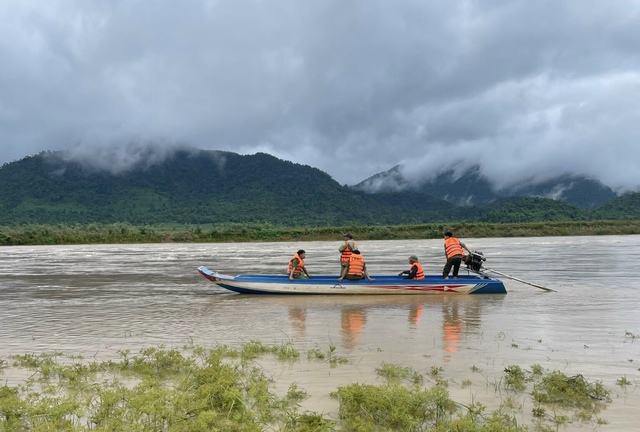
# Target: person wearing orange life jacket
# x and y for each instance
(346, 249)
(296, 267)
(415, 272)
(453, 250)
(356, 269)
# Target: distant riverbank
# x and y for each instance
(126, 233)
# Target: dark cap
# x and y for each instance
(348, 235)
(413, 258)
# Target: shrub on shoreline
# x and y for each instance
(122, 233)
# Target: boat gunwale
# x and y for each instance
(328, 284)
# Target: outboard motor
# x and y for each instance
(475, 260)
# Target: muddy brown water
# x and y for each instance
(94, 300)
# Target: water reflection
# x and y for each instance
(461, 320)
(353, 320)
(449, 319)
(415, 312)
(451, 327)
(298, 318)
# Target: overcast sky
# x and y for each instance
(527, 89)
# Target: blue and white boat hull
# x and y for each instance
(385, 284)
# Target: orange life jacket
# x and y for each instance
(452, 247)
(356, 265)
(298, 268)
(348, 251)
(419, 272)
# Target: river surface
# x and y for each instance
(94, 300)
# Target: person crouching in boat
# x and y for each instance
(356, 268)
(415, 272)
(296, 268)
(346, 249)
(454, 253)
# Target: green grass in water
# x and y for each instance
(222, 388)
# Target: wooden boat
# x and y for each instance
(385, 284)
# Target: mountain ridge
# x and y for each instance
(195, 186)
(472, 188)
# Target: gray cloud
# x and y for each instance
(528, 90)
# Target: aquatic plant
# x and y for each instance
(397, 408)
(435, 371)
(222, 388)
(295, 393)
(333, 358)
(623, 382)
(309, 422)
(253, 349)
(568, 394)
(631, 335)
(286, 352)
(515, 378)
(315, 354)
(329, 356)
(536, 370)
(394, 372)
(369, 407)
(162, 389)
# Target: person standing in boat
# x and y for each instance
(453, 250)
(356, 269)
(296, 269)
(415, 272)
(346, 249)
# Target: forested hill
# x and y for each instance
(197, 186)
(201, 187)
